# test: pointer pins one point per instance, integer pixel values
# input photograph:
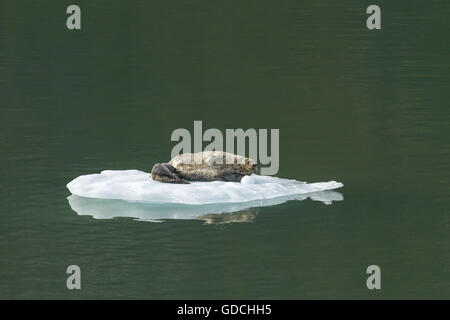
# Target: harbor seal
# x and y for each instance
(204, 166)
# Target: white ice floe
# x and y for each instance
(137, 186)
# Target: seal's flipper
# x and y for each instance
(164, 172)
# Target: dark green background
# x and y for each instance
(368, 108)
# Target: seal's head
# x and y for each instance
(249, 166)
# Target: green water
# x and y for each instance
(368, 108)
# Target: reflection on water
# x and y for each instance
(240, 216)
(211, 213)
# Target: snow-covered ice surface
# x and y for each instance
(137, 186)
(132, 193)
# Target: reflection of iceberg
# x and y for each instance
(210, 213)
(137, 186)
(240, 216)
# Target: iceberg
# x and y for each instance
(137, 186)
(133, 194)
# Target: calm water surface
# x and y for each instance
(368, 108)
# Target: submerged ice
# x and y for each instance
(137, 186)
